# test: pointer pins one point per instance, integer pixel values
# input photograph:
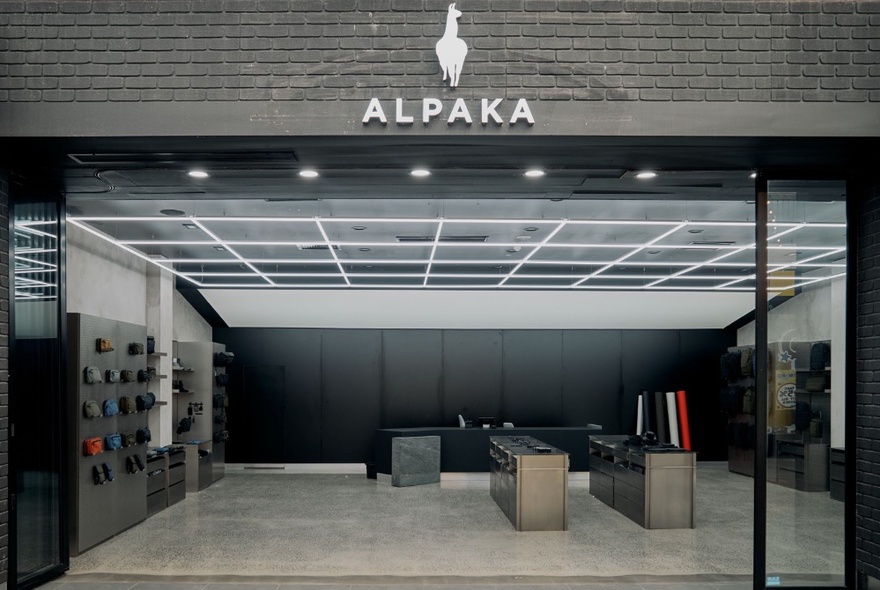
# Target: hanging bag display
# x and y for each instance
(113, 376)
(127, 405)
(92, 446)
(92, 375)
(135, 348)
(143, 435)
(110, 407)
(113, 441)
(144, 375)
(127, 375)
(91, 409)
(103, 345)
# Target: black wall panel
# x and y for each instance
(341, 385)
(351, 372)
(412, 369)
(532, 377)
(471, 374)
(263, 412)
(591, 378)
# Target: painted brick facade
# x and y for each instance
(327, 50)
(868, 389)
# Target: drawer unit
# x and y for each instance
(176, 492)
(837, 474)
(802, 465)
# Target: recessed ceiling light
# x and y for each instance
(172, 212)
(530, 228)
(753, 175)
(308, 173)
(190, 226)
(359, 227)
(197, 174)
(534, 173)
(514, 249)
(695, 231)
(556, 200)
(365, 249)
(220, 248)
(420, 172)
(645, 174)
(653, 251)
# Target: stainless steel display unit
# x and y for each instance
(529, 482)
(654, 488)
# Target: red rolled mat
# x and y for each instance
(681, 402)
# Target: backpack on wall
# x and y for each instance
(110, 407)
(113, 376)
(92, 375)
(127, 375)
(91, 409)
(145, 402)
(113, 441)
(135, 348)
(820, 356)
(103, 345)
(144, 375)
(143, 435)
(151, 345)
(127, 405)
(92, 446)
(129, 439)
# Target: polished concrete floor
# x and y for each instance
(265, 530)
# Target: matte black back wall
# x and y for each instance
(326, 391)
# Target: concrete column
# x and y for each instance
(160, 315)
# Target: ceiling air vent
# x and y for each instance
(458, 239)
(316, 247)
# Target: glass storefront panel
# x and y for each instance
(806, 291)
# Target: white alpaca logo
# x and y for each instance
(450, 49)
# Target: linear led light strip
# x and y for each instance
(36, 232)
(232, 251)
(807, 260)
(137, 253)
(31, 261)
(433, 251)
(629, 254)
(723, 256)
(532, 253)
(332, 252)
(457, 275)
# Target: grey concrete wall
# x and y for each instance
(589, 67)
(103, 280)
(188, 325)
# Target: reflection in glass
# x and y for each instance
(806, 346)
(35, 389)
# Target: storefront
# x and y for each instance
(106, 107)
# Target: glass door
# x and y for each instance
(39, 548)
(806, 291)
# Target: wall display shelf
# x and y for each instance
(98, 511)
(655, 489)
(529, 482)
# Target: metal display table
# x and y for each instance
(529, 482)
(654, 488)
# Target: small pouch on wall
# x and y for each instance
(113, 376)
(130, 467)
(104, 345)
(113, 441)
(92, 375)
(127, 375)
(92, 446)
(91, 409)
(98, 476)
(110, 407)
(127, 405)
(129, 439)
(135, 348)
(143, 435)
(184, 425)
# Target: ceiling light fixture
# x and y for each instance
(695, 231)
(171, 212)
(534, 173)
(645, 174)
(364, 249)
(190, 226)
(530, 228)
(753, 175)
(197, 174)
(308, 173)
(359, 227)
(330, 246)
(420, 172)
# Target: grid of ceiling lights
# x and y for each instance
(801, 271)
(35, 264)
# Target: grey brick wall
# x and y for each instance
(318, 50)
(4, 375)
(868, 389)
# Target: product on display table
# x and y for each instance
(673, 419)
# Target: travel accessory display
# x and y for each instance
(129, 439)
(151, 345)
(127, 375)
(92, 375)
(135, 348)
(177, 365)
(144, 435)
(177, 385)
(113, 441)
(113, 376)
(108, 471)
(222, 379)
(103, 345)
(127, 405)
(110, 407)
(98, 476)
(130, 467)
(143, 376)
(91, 409)
(93, 446)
